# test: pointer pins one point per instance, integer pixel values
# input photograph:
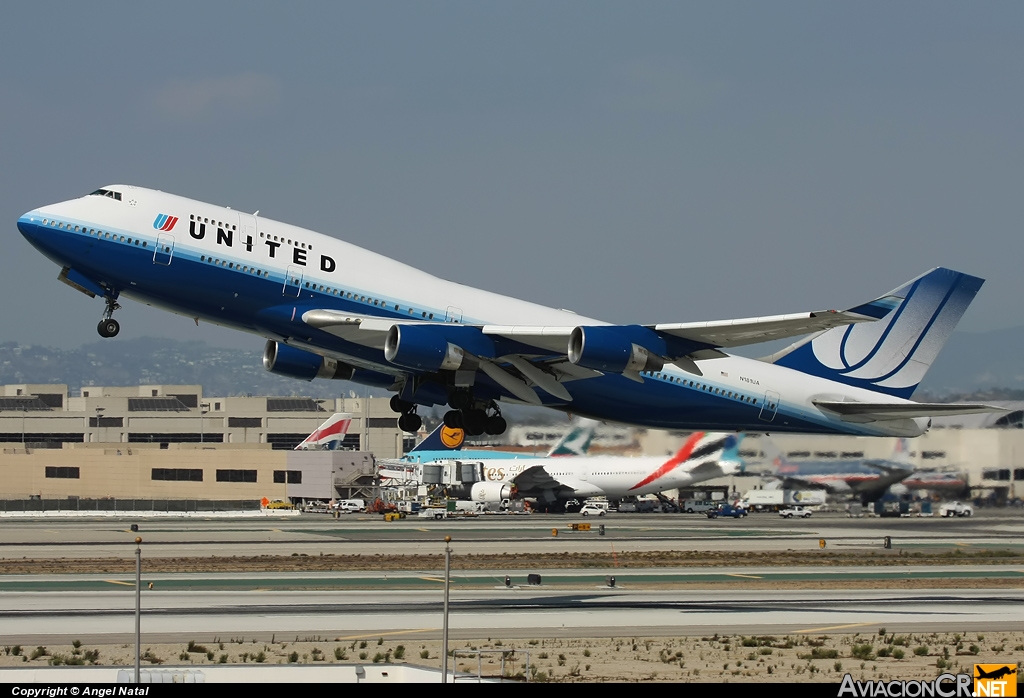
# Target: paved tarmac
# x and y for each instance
(37, 609)
(363, 534)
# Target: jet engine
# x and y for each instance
(609, 350)
(298, 363)
(490, 491)
(423, 348)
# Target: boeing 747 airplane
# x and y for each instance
(330, 309)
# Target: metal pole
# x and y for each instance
(24, 409)
(444, 629)
(138, 607)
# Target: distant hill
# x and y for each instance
(971, 363)
(221, 372)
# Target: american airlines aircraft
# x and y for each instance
(330, 309)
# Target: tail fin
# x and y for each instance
(890, 355)
(442, 439)
(577, 440)
(329, 435)
(731, 455)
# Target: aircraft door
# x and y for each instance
(770, 406)
(164, 250)
(453, 314)
(292, 281)
(247, 229)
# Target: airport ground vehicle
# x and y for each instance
(956, 509)
(691, 506)
(726, 510)
(797, 511)
(591, 510)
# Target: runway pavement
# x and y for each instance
(36, 609)
(317, 534)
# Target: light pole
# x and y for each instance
(24, 409)
(204, 407)
(444, 628)
(138, 607)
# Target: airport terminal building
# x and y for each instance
(170, 442)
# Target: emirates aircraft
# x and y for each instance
(330, 309)
(703, 456)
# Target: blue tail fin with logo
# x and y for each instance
(892, 354)
(441, 439)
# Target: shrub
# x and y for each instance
(898, 654)
(921, 651)
(362, 644)
(293, 658)
(223, 659)
(864, 651)
(424, 654)
(40, 651)
(400, 652)
(340, 654)
(378, 658)
(260, 657)
(362, 656)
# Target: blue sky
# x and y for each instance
(635, 162)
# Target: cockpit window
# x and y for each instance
(106, 192)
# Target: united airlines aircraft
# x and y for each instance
(332, 310)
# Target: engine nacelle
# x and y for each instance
(490, 491)
(298, 363)
(423, 348)
(609, 350)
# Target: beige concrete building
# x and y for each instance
(170, 442)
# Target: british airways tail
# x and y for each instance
(329, 435)
(890, 355)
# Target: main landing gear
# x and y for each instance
(109, 327)
(409, 422)
(475, 421)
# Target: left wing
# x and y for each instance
(520, 358)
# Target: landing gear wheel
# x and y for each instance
(453, 419)
(460, 399)
(108, 327)
(410, 422)
(496, 424)
(475, 422)
(401, 406)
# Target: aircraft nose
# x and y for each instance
(28, 226)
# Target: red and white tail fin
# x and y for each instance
(329, 435)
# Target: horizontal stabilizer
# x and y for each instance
(882, 411)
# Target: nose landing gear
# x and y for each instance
(109, 327)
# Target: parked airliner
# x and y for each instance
(330, 309)
(703, 456)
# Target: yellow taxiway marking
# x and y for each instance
(423, 530)
(745, 576)
(114, 581)
(393, 632)
(961, 544)
(432, 579)
(834, 627)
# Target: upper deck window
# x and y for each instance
(106, 192)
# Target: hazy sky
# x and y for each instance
(637, 162)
